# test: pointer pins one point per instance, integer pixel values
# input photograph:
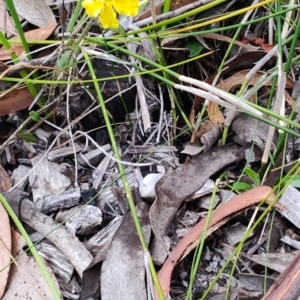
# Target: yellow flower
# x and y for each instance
(107, 9)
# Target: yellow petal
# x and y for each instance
(93, 7)
(126, 7)
(108, 17)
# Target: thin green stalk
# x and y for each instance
(165, 9)
(200, 246)
(32, 248)
(292, 48)
(272, 92)
(15, 59)
(124, 179)
(281, 141)
(15, 17)
(75, 16)
(279, 27)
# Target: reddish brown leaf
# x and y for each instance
(15, 100)
(33, 35)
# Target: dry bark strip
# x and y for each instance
(68, 244)
(177, 185)
(72, 248)
(234, 205)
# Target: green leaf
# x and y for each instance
(194, 46)
(295, 183)
(242, 186)
(253, 176)
(26, 136)
(35, 116)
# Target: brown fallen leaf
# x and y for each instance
(32, 35)
(15, 100)
(177, 185)
(234, 205)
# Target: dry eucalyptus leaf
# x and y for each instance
(177, 185)
(123, 271)
(15, 100)
(34, 35)
(250, 130)
(36, 12)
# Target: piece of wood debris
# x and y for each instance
(290, 201)
(131, 179)
(26, 279)
(56, 260)
(235, 233)
(46, 180)
(151, 149)
(81, 220)
(18, 174)
(67, 243)
(287, 285)
(275, 261)
(65, 151)
(288, 240)
(100, 170)
(42, 134)
(64, 200)
(100, 241)
(109, 203)
(93, 156)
